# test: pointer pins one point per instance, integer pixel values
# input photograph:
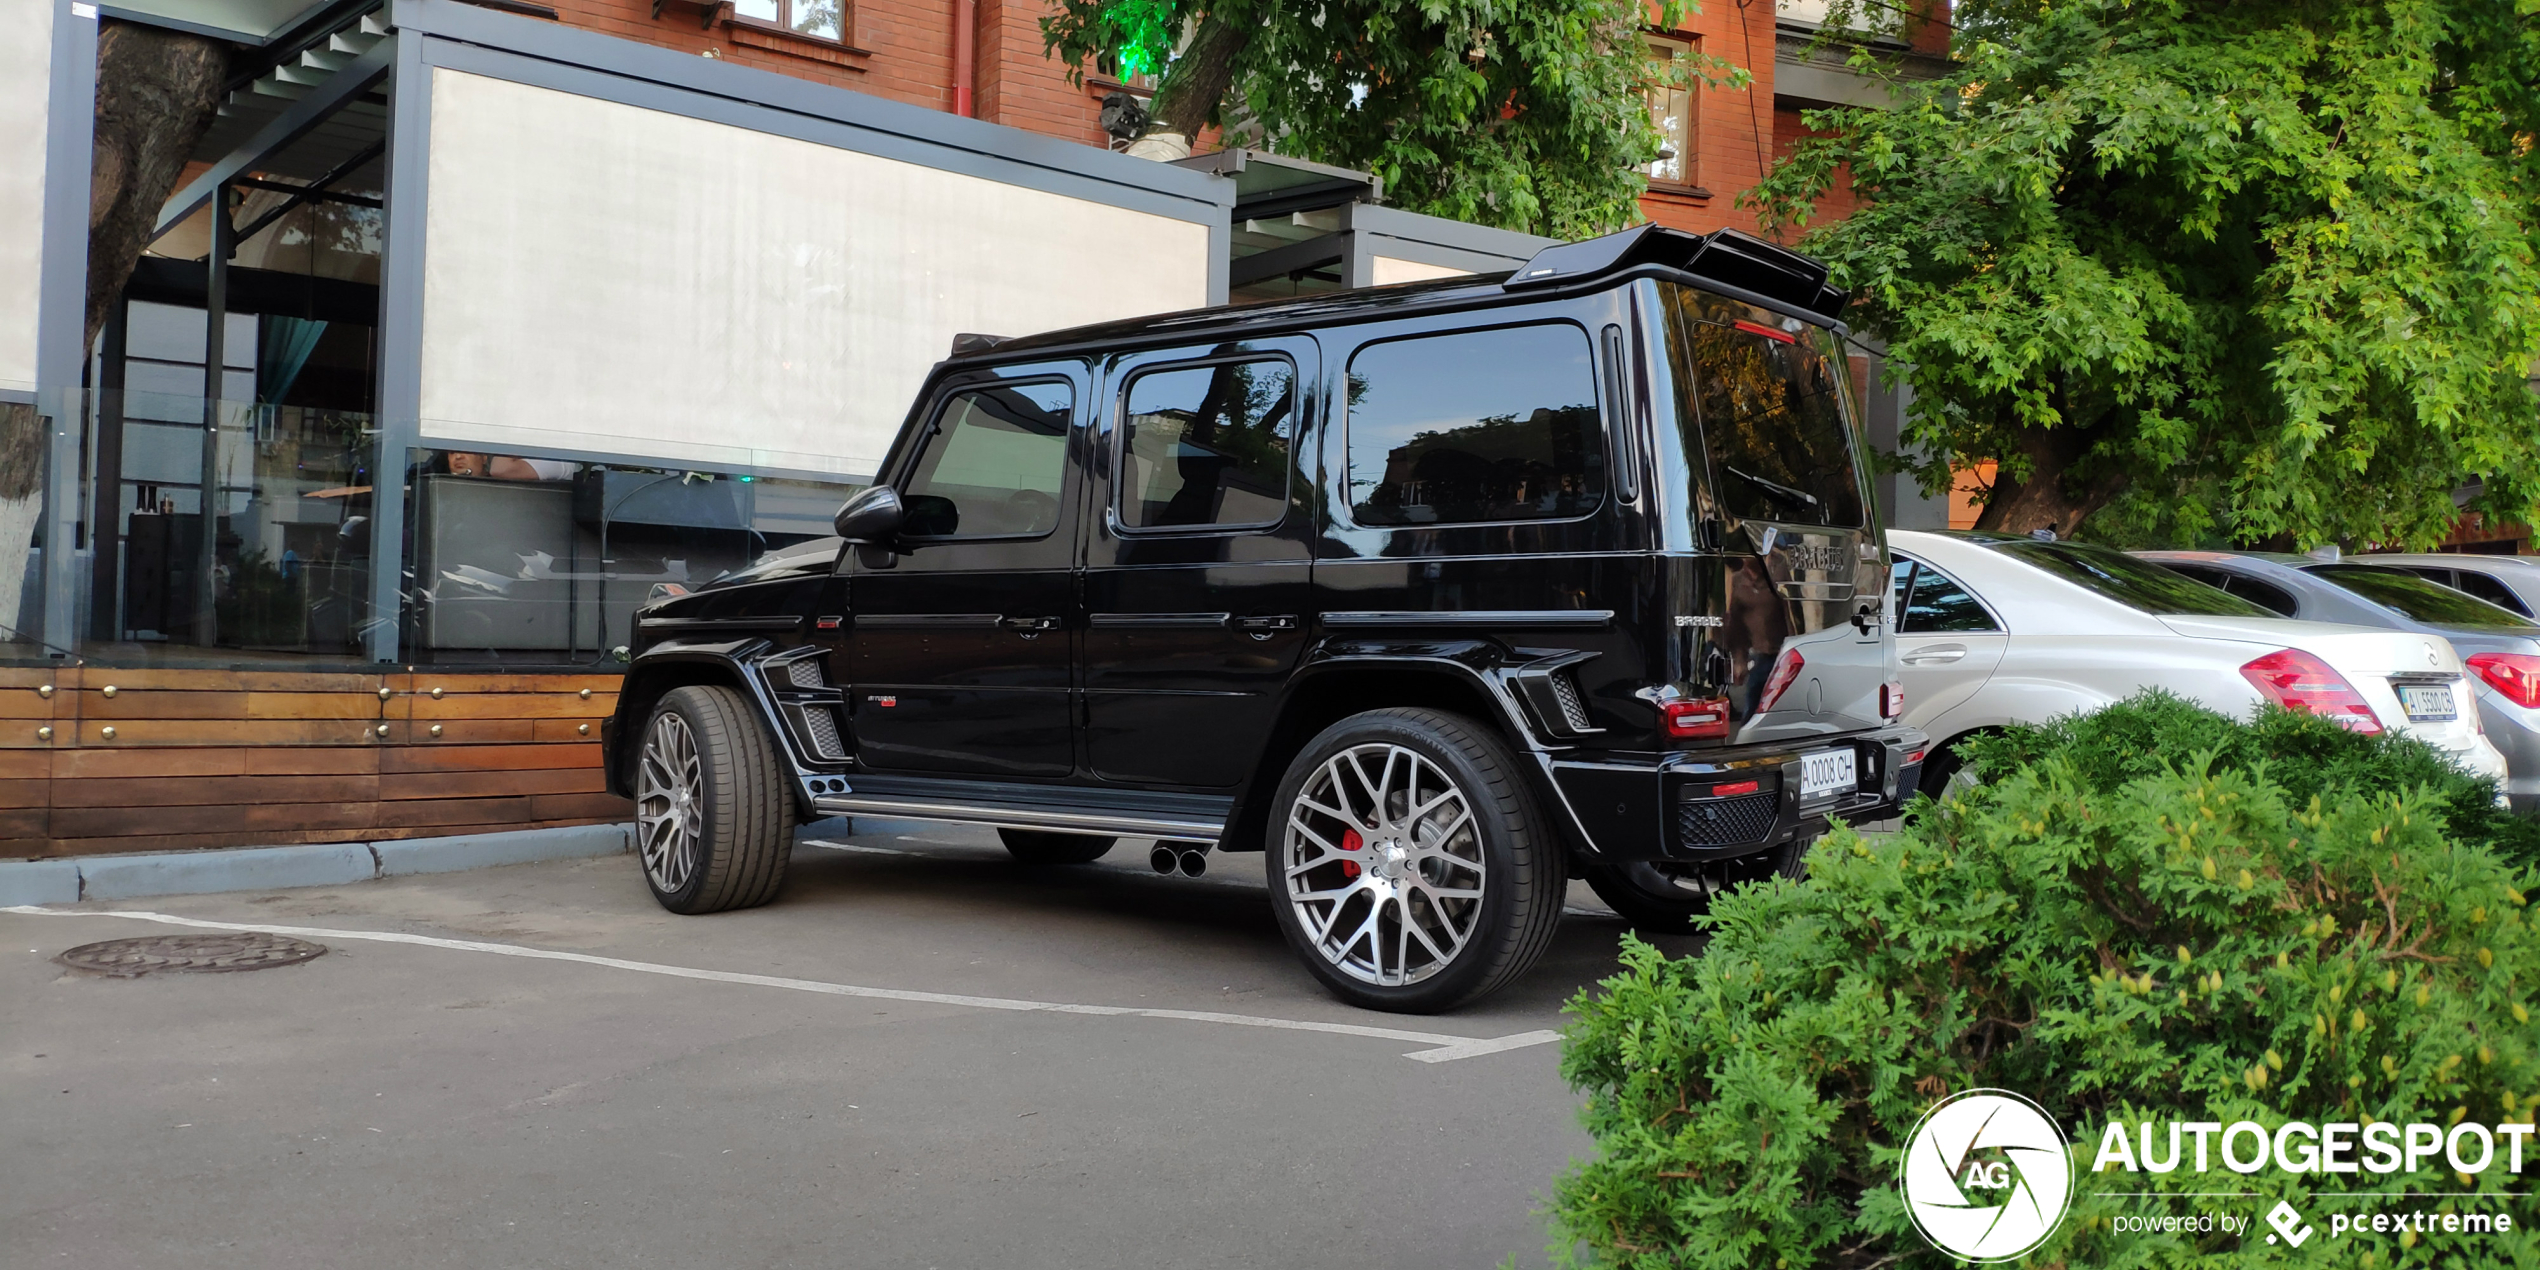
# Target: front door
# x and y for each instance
(960, 646)
(1196, 563)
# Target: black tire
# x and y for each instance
(1033, 846)
(1939, 766)
(1500, 842)
(725, 845)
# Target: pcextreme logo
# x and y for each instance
(1986, 1175)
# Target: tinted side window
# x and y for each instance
(1475, 426)
(1207, 445)
(1936, 602)
(994, 464)
(2263, 594)
(1771, 407)
(2492, 591)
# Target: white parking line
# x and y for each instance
(1443, 1048)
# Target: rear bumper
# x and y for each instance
(1664, 807)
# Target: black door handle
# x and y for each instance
(1029, 625)
(1260, 625)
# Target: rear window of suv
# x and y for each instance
(2137, 584)
(1770, 396)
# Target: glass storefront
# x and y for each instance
(522, 560)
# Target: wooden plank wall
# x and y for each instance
(99, 760)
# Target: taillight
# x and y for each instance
(1707, 718)
(2517, 675)
(1785, 673)
(1891, 700)
(2296, 680)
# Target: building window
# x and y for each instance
(1671, 109)
(822, 19)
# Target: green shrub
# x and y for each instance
(2108, 934)
(2305, 754)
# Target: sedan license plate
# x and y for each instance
(2429, 703)
(1826, 774)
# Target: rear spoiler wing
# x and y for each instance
(1725, 257)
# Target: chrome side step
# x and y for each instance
(1020, 816)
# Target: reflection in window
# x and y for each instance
(994, 464)
(1207, 446)
(1671, 109)
(1476, 426)
(1772, 412)
(1932, 601)
(537, 561)
(823, 18)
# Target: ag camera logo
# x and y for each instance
(1987, 1175)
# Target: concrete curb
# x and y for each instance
(121, 877)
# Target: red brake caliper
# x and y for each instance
(1350, 841)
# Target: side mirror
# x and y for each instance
(871, 518)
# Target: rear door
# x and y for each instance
(1947, 641)
(1198, 547)
(1774, 401)
(961, 647)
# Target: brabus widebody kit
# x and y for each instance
(1437, 594)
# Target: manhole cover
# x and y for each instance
(191, 954)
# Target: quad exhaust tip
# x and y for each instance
(1194, 863)
(1163, 859)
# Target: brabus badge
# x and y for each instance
(1687, 619)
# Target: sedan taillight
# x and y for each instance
(2296, 680)
(2517, 675)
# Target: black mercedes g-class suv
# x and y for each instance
(1438, 594)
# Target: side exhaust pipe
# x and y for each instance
(1194, 863)
(1162, 859)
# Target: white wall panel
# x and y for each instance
(26, 65)
(602, 277)
(1393, 269)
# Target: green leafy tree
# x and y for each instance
(1525, 114)
(2260, 270)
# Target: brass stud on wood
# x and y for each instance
(45, 692)
(586, 694)
(386, 693)
(110, 690)
(44, 734)
(383, 729)
(436, 729)
(107, 732)
(436, 694)
(583, 730)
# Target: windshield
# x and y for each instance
(2429, 602)
(2137, 584)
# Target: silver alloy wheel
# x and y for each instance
(669, 793)
(1383, 863)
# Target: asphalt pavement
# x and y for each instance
(922, 1055)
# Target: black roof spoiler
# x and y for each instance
(1726, 257)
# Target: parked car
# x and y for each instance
(1995, 630)
(2508, 582)
(1437, 594)
(2499, 649)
